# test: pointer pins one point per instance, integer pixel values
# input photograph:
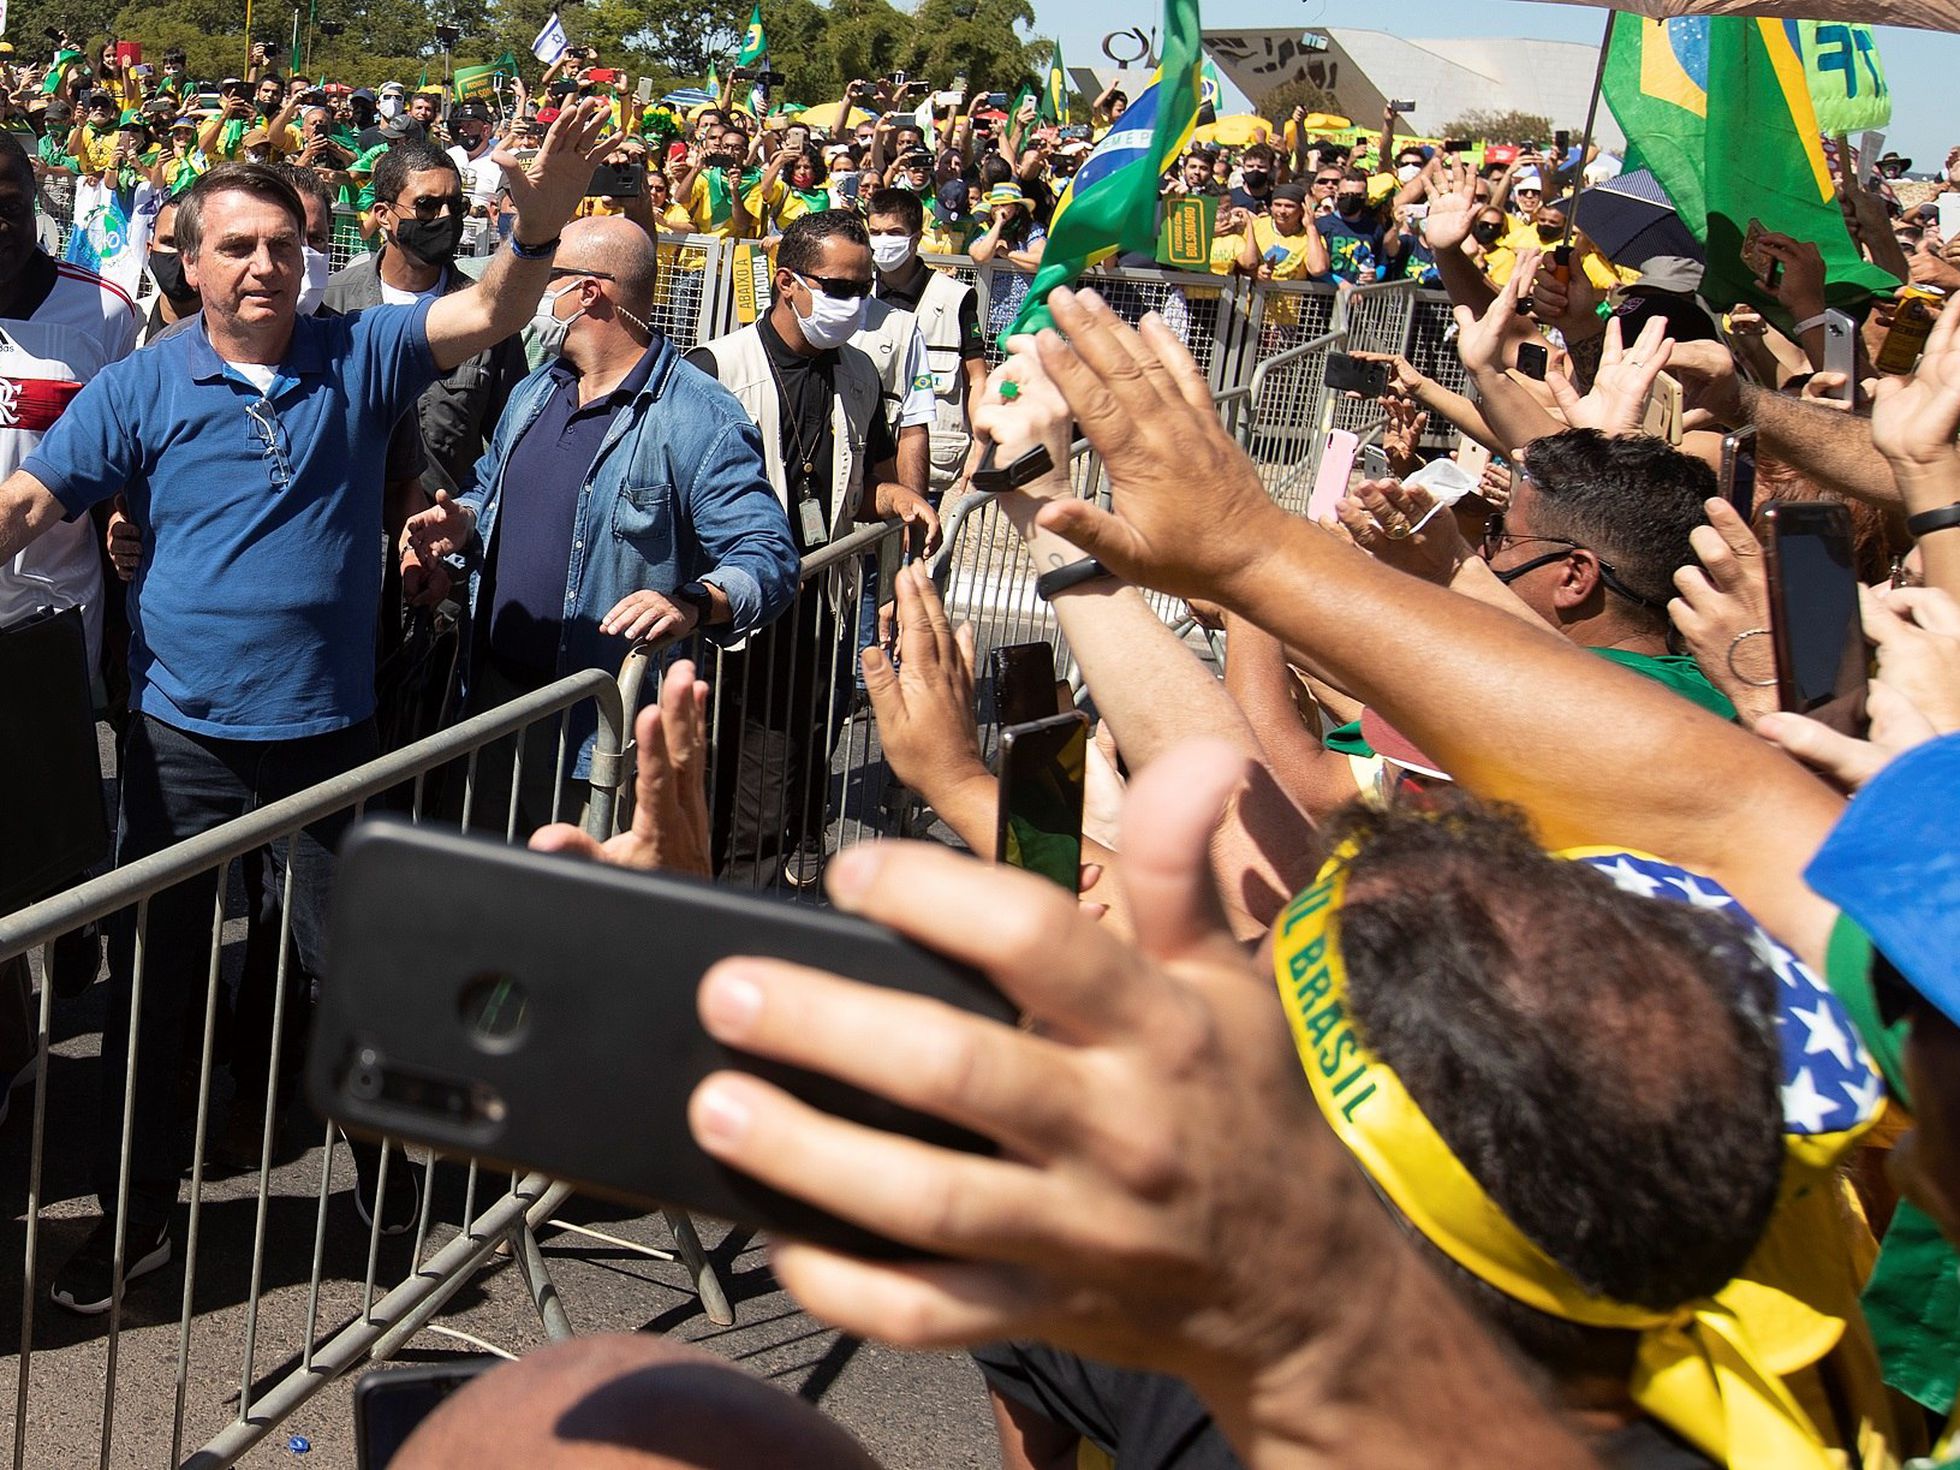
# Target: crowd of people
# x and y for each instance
(1485, 1020)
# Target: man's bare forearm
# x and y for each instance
(26, 510)
(1835, 449)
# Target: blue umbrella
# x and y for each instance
(1631, 219)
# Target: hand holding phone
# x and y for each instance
(1819, 640)
(1043, 766)
(1349, 374)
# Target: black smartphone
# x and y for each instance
(542, 1017)
(1456, 145)
(617, 180)
(389, 1403)
(1024, 682)
(1561, 145)
(1821, 659)
(1739, 470)
(1042, 769)
(1347, 374)
(1533, 360)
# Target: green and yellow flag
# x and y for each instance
(755, 45)
(1111, 203)
(475, 81)
(1054, 92)
(1847, 80)
(1718, 109)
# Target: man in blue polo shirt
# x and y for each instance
(251, 452)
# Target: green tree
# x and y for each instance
(1501, 127)
(1277, 105)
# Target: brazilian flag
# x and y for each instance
(1054, 93)
(1718, 109)
(1111, 203)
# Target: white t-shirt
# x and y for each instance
(482, 178)
(85, 324)
(259, 374)
(396, 296)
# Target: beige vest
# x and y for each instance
(742, 365)
(886, 338)
(939, 322)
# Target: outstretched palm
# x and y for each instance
(1915, 419)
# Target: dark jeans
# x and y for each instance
(775, 705)
(176, 784)
(493, 683)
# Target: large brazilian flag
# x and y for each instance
(1111, 203)
(1718, 109)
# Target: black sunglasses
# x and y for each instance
(845, 288)
(1496, 538)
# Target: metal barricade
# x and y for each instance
(1287, 416)
(443, 1256)
(1376, 317)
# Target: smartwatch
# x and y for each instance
(695, 595)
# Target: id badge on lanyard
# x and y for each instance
(809, 515)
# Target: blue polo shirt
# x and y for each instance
(253, 615)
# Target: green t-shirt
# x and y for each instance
(1676, 671)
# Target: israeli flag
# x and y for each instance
(552, 41)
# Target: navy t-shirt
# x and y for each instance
(1351, 247)
(253, 614)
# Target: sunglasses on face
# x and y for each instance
(844, 288)
(1496, 538)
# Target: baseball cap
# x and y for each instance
(98, 99)
(394, 129)
(362, 94)
(470, 111)
(1531, 179)
(255, 138)
(953, 197)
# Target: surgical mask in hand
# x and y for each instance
(891, 252)
(551, 331)
(313, 288)
(833, 320)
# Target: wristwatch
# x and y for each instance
(1929, 521)
(696, 595)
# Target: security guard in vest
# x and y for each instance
(832, 461)
(948, 314)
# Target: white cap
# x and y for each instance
(1531, 180)
(1602, 168)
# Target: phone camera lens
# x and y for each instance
(365, 1078)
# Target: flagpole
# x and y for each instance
(248, 39)
(1592, 117)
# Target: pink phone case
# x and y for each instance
(1336, 465)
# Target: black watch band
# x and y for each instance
(1929, 521)
(1072, 575)
(1029, 466)
(696, 595)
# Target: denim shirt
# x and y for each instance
(677, 493)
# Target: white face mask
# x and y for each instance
(1408, 171)
(833, 320)
(313, 286)
(892, 252)
(551, 331)
(391, 105)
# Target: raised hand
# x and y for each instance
(670, 808)
(1453, 205)
(1915, 419)
(548, 190)
(1484, 342)
(924, 706)
(1721, 610)
(1617, 403)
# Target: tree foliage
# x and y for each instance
(1277, 105)
(817, 48)
(1501, 127)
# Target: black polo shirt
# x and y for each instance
(537, 515)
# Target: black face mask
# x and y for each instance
(432, 241)
(168, 267)
(1487, 234)
(1255, 179)
(1350, 206)
(1551, 234)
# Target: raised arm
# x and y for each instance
(545, 194)
(1592, 753)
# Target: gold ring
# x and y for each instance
(1400, 531)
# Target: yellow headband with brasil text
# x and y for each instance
(1699, 1369)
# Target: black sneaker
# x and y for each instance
(803, 868)
(86, 1284)
(404, 1202)
(75, 960)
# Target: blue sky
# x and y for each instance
(1920, 65)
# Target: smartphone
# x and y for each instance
(644, 92)
(1336, 465)
(620, 180)
(1534, 359)
(1561, 145)
(1042, 769)
(1024, 683)
(1348, 374)
(1752, 249)
(1456, 145)
(1664, 408)
(1773, 276)
(542, 1017)
(1841, 350)
(390, 1403)
(1404, 108)
(1814, 626)
(1739, 470)
(1374, 462)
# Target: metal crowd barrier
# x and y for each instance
(380, 1319)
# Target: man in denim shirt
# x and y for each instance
(623, 498)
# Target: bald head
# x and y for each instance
(627, 1401)
(619, 248)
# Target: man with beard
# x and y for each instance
(419, 206)
(1359, 250)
